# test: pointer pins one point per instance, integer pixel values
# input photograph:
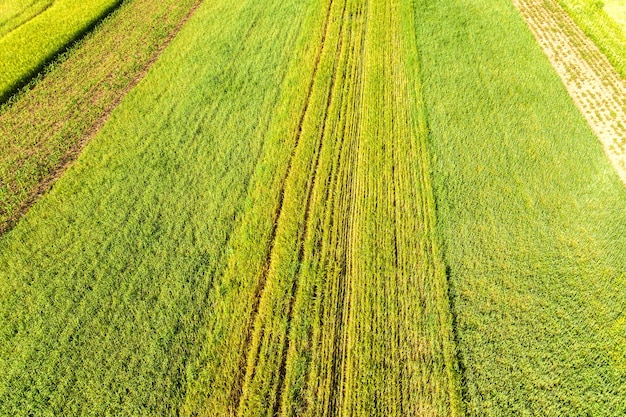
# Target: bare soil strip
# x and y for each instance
(592, 82)
(44, 129)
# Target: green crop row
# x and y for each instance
(45, 31)
(533, 217)
(335, 300)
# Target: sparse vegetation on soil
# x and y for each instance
(596, 88)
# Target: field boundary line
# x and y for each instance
(594, 85)
(74, 152)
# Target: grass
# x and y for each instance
(335, 297)
(608, 34)
(44, 127)
(33, 33)
(532, 215)
(109, 274)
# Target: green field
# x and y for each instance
(533, 217)
(32, 32)
(604, 29)
(318, 208)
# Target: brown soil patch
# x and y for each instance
(592, 82)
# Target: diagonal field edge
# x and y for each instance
(71, 155)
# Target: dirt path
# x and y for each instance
(594, 85)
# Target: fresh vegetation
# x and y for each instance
(33, 32)
(606, 32)
(335, 299)
(308, 208)
(45, 127)
(533, 217)
(14, 13)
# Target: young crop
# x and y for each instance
(34, 33)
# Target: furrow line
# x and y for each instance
(335, 393)
(349, 260)
(236, 394)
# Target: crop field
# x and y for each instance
(34, 31)
(315, 208)
(604, 30)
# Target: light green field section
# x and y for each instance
(31, 33)
(14, 13)
(616, 9)
(533, 217)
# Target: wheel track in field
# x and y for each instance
(237, 390)
(307, 215)
(334, 251)
(339, 353)
(594, 85)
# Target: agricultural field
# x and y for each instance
(315, 208)
(32, 32)
(14, 13)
